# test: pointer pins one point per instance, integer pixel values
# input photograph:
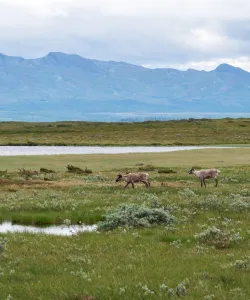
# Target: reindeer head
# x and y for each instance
(191, 171)
(119, 178)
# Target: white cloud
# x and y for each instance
(202, 38)
(149, 32)
(240, 62)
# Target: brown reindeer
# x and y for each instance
(133, 178)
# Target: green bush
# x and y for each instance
(46, 171)
(133, 215)
(27, 174)
(147, 168)
(218, 238)
(166, 171)
(3, 173)
(77, 170)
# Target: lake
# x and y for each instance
(56, 150)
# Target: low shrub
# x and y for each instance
(218, 238)
(77, 170)
(242, 204)
(49, 177)
(147, 168)
(166, 171)
(3, 242)
(211, 201)
(3, 173)
(133, 215)
(27, 174)
(31, 143)
(241, 264)
(187, 194)
(46, 171)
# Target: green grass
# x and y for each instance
(183, 132)
(117, 162)
(86, 198)
(126, 263)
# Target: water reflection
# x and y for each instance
(55, 150)
(7, 227)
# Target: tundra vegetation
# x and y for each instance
(174, 240)
(152, 133)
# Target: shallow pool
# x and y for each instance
(6, 227)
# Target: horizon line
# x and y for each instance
(123, 62)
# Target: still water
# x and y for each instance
(55, 150)
(6, 227)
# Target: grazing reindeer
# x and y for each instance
(206, 174)
(133, 178)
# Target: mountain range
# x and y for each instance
(67, 86)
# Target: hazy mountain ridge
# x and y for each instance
(59, 83)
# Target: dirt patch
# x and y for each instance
(14, 184)
(19, 182)
(176, 184)
(64, 183)
(29, 184)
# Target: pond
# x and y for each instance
(56, 150)
(64, 230)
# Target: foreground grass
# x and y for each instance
(136, 264)
(183, 132)
(150, 263)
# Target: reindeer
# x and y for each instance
(205, 174)
(133, 178)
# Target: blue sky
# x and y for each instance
(183, 34)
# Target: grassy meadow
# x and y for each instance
(180, 132)
(203, 254)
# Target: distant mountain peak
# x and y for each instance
(59, 54)
(228, 68)
(56, 55)
(61, 85)
(6, 58)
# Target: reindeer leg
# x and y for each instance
(216, 182)
(126, 185)
(201, 183)
(132, 184)
(145, 182)
(148, 183)
(204, 183)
